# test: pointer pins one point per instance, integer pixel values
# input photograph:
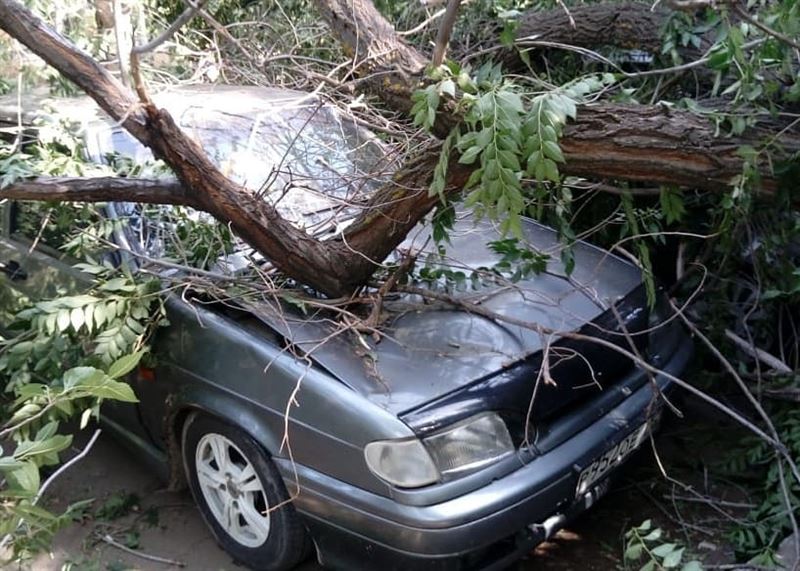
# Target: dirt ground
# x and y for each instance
(131, 507)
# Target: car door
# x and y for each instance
(33, 267)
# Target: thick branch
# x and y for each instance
(74, 64)
(256, 221)
(661, 145)
(622, 142)
(100, 189)
(389, 67)
(623, 25)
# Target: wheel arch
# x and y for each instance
(223, 408)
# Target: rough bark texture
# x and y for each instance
(661, 145)
(623, 25)
(386, 64)
(100, 189)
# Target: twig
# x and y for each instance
(67, 465)
(774, 437)
(766, 358)
(51, 479)
(421, 26)
(119, 36)
(110, 540)
(179, 22)
(744, 15)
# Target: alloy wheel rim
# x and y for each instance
(232, 490)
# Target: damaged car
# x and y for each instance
(442, 439)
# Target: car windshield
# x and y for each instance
(312, 162)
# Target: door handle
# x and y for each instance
(13, 270)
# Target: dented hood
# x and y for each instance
(428, 350)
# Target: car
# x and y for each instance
(448, 439)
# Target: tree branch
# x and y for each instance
(179, 22)
(100, 189)
(445, 29)
(256, 221)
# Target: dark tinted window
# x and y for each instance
(69, 227)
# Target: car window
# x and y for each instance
(59, 228)
(312, 163)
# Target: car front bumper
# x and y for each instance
(486, 528)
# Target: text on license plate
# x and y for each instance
(610, 459)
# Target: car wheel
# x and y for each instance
(242, 496)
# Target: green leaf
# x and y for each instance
(633, 552)
(551, 170)
(106, 387)
(99, 314)
(76, 318)
(63, 319)
(26, 411)
(469, 156)
(653, 535)
(448, 87)
(553, 151)
(9, 463)
(510, 102)
(569, 106)
(80, 375)
(692, 566)
(28, 449)
(85, 416)
(663, 550)
(125, 365)
(673, 559)
(25, 478)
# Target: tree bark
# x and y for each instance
(100, 189)
(387, 65)
(626, 25)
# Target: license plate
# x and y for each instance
(610, 459)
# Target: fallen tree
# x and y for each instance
(630, 143)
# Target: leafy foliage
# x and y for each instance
(646, 549)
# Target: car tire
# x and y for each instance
(242, 496)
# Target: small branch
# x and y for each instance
(67, 465)
(744, 15)
(445, 29)
(422, 26)
(769, 360)
(100, 189)
(123, 39)
(179, 22)
(110, 540)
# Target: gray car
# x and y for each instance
(444, 442)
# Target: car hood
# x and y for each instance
(427, 350)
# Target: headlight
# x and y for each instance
(465, 447)
(404, 463)
(470, 445)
